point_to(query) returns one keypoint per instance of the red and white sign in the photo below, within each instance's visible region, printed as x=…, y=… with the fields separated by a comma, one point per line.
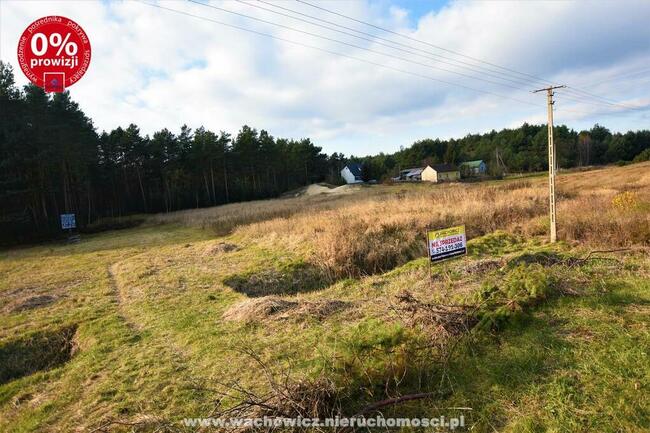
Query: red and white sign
x=54, y=53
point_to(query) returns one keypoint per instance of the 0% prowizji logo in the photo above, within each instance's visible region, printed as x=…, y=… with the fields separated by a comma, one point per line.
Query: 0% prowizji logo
x=54, y=53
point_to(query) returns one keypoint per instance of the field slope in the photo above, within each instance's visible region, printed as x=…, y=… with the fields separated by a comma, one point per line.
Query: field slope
x=136, y=329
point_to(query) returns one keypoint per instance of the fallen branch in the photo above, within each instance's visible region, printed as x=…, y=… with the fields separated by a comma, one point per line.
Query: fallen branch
x=448, y=320
x=155, y=425
x=579, y=261
x=393, y=401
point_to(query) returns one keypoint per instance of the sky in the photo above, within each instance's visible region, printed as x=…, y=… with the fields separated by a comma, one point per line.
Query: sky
x=443, y=69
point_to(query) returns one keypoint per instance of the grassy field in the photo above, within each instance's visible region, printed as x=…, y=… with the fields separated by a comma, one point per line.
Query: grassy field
x=328, y=298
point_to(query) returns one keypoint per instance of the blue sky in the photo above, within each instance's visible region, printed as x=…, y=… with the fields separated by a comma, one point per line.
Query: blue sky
x=159, y=68
x=416, y=8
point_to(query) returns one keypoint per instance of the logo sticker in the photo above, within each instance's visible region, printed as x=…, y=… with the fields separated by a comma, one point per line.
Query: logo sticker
x=54, y=53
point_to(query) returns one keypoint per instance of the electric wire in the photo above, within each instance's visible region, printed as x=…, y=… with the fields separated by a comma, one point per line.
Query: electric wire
x=327, y=38
x=335, y=53
x=435, y=57
x=577, y=97
x=572, y=89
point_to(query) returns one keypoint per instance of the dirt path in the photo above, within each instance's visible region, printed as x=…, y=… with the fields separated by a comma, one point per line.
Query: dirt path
x=133, y=326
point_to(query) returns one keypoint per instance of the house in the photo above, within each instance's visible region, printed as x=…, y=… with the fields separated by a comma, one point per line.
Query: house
x=473, y=168
x=410, y=175
x=440, y=173
x=352, y=173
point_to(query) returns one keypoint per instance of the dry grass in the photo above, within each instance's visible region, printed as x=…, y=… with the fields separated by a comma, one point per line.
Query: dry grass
x=224, y=219
x=150, y=304
x=378, y=228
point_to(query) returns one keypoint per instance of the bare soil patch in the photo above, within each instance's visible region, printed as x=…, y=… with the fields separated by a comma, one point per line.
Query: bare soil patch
x=36, y=352
x=287, y=280
x=34, y=302
x=276, y=308
x=482, y=266
x=220, y=248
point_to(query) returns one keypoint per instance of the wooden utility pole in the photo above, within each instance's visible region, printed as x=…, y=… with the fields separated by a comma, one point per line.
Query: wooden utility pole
x=500, y=163
x=552, y=158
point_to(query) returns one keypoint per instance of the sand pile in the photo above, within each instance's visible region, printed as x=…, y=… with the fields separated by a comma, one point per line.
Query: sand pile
x=321, y=188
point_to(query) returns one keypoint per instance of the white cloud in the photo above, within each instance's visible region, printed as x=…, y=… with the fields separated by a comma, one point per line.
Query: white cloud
x=160, y=69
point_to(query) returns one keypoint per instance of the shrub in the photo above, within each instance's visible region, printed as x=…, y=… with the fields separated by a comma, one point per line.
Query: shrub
x=495, y=243
x=119, y=223
x=357, y=248
x=625, y=201
x=522, y=287
x=643, y=156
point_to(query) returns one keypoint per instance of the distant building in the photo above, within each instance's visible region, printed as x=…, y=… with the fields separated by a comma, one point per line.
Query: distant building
x=440, y=173
x=352, y=173
x=430, y=173
x=410, y=175
x=473, y=168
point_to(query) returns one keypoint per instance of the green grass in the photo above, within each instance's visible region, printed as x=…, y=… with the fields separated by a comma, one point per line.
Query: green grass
x=147, y=335
x=576, y=364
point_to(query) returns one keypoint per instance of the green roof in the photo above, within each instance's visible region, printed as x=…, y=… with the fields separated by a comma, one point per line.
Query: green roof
x=472, y=164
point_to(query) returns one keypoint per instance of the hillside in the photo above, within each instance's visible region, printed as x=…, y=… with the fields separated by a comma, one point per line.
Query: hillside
x=325, y=304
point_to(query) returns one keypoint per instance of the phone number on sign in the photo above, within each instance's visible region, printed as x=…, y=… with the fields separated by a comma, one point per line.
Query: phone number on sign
x=447, y=248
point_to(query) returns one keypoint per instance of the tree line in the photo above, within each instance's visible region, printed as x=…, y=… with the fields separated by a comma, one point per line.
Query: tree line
x=524, y=149
x=53, y=161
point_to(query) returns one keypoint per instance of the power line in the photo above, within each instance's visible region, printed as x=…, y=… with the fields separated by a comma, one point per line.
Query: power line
x=316, y=35
x=621, y=109
x=573, y=90
x=538, y=79
x=577, y=96
x=605, y=100
x=436, y=57
x=370, y=62
x=428, y=77
x=602, y=113
x=618, y=77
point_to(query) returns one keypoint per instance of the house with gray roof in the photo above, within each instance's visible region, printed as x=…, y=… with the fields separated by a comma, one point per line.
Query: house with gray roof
x=352, y=173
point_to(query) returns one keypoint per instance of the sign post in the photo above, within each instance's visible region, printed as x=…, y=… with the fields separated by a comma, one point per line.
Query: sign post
x=69, y=222
x=446, y=243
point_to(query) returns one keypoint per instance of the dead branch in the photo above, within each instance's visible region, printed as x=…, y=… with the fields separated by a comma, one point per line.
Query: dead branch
x=154, y=424
x=445, y=320
x=385, y=403
x=589, y=256
x=393, y=401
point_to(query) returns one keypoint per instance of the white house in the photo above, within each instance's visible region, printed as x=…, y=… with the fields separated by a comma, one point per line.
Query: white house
x=352, y=173
x=440, y=173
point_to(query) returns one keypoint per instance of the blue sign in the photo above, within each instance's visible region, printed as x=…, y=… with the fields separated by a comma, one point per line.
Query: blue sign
x=68, y=221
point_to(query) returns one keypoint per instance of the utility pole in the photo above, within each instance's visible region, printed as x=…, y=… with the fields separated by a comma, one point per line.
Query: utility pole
x=500, y=163
x=552, y=158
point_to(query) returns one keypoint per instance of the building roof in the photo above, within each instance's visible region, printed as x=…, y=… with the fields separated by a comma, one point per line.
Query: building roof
x=354, y=168
x=472, y=164
x=415, y=171
x=444, y=168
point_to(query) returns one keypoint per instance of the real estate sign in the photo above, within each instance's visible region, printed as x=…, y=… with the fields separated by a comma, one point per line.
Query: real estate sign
x=68, y=221
x=446, y=243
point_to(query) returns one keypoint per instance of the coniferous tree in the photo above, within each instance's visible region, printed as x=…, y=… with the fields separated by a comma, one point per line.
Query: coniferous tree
x=53, y=161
